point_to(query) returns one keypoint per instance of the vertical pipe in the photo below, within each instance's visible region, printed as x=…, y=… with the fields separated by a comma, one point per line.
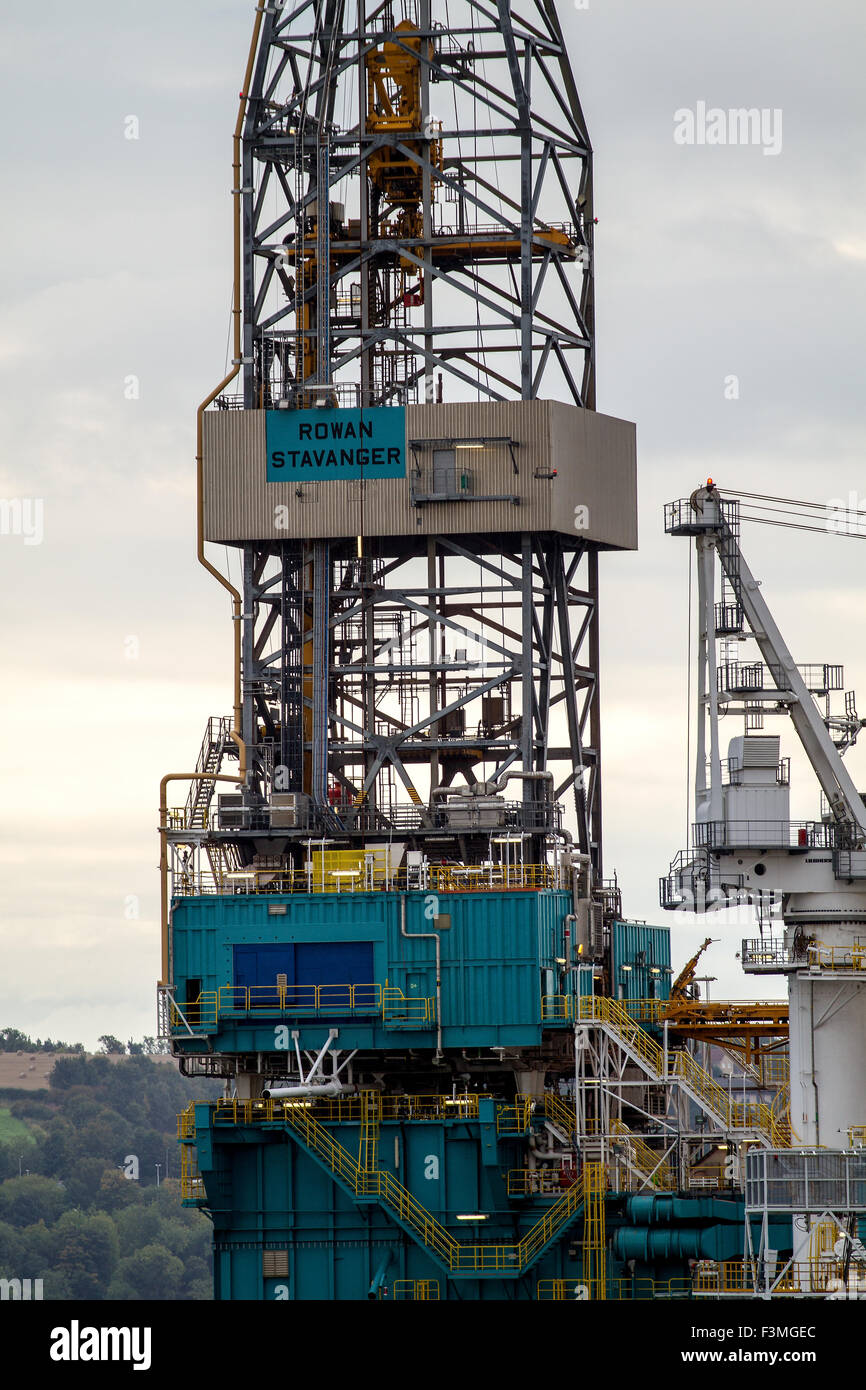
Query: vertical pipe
x=431, y=604
x=364, y=212
x=420, y=936
x=527, y=729
x=595, y=808
x=701, y=688
x=321, y=642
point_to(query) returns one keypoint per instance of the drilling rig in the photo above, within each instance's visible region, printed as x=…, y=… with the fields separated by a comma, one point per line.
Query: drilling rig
x=384, y=894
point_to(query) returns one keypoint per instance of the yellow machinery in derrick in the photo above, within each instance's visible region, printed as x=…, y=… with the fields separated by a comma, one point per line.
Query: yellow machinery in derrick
x=394, y=108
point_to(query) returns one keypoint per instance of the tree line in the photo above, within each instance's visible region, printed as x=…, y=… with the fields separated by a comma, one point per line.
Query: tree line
x=69, y=1213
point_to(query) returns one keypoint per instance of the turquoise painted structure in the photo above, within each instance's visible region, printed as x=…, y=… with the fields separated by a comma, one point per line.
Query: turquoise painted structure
x=258, y=972
x=640, y=961
x=286, y=1229
x=340, y=953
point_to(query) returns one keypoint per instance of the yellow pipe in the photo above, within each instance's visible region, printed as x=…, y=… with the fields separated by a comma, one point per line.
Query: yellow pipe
x=235, y=734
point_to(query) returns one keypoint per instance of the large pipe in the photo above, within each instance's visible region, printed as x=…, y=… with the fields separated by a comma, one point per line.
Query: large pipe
x=237, y=358
x=569, y=917
x=324, y=1089
x=379, y=1277
x=237, y=309
x=419, y=936
x=524, y=777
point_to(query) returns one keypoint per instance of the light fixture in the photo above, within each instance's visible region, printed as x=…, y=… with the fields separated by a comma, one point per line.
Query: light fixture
x=625, y=968
x=472, y=1216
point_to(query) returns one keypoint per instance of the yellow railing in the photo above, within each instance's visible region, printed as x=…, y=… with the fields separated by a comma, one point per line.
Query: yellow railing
x=640, y=1290
x=780, y=1113
x=508, y=1258
x=341, y=1109
x=371, y=1115
x=388, y=1002
x=817, y=1276
x=558, y=1111
x=774, y=1070
x=563, y=1007
x=417, y=1290
x=191, y=1182
x=645, y=1010
x=516, y=1118
x=683, y=1067
x=611, y=1011
x=546, y=1181
x=856, y=1136
x=410, y=1011
x=186, y=1122
x=459, y=1258
x=566, y=1290
x=437, y=878
x=594, y=1236
x=557, y=1008
x=626, y=1290
x=649, y=1164
x=837, y=957
x=556, y=1290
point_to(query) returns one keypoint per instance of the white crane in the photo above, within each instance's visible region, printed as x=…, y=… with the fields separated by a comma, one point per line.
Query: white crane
x=746, y=848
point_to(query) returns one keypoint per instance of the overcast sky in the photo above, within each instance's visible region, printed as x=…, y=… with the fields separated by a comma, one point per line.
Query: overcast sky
x=712, y=261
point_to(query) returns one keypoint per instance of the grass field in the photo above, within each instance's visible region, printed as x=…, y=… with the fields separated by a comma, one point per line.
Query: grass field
x=12, y=1131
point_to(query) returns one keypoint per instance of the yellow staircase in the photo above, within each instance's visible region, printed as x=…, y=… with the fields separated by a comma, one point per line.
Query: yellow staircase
x=752, y=1116
x=655, y=1170
x=458, y=1258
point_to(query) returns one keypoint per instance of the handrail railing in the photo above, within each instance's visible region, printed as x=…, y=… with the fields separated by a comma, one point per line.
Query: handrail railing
x=681, y=1066
x=817, y=1277
x=613, y=1012
x=339, y=1109
x=387, y=1002
x=192, y=1188
x=652, y=1166
x=493, y=1257
x=440, y=878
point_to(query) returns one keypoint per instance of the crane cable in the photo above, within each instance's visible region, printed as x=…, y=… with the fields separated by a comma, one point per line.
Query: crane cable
x=839, y=521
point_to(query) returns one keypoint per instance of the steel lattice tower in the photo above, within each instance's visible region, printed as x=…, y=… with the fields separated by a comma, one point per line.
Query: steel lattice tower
x=462, y=267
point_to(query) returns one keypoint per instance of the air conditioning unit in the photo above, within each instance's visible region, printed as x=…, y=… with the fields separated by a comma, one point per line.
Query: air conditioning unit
x=290, y=810
x=230, y=812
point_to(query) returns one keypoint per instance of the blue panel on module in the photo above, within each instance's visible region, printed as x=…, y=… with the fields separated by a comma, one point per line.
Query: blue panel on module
x=240, y=968
x=315, y=445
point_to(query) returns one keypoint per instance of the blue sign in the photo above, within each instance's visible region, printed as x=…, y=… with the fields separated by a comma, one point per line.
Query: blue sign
x=314, y=445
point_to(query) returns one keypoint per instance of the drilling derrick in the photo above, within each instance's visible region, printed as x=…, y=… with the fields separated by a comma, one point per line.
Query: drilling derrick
x=384, y=895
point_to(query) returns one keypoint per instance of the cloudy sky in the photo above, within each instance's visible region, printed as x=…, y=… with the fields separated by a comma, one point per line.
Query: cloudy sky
x=713, y=261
